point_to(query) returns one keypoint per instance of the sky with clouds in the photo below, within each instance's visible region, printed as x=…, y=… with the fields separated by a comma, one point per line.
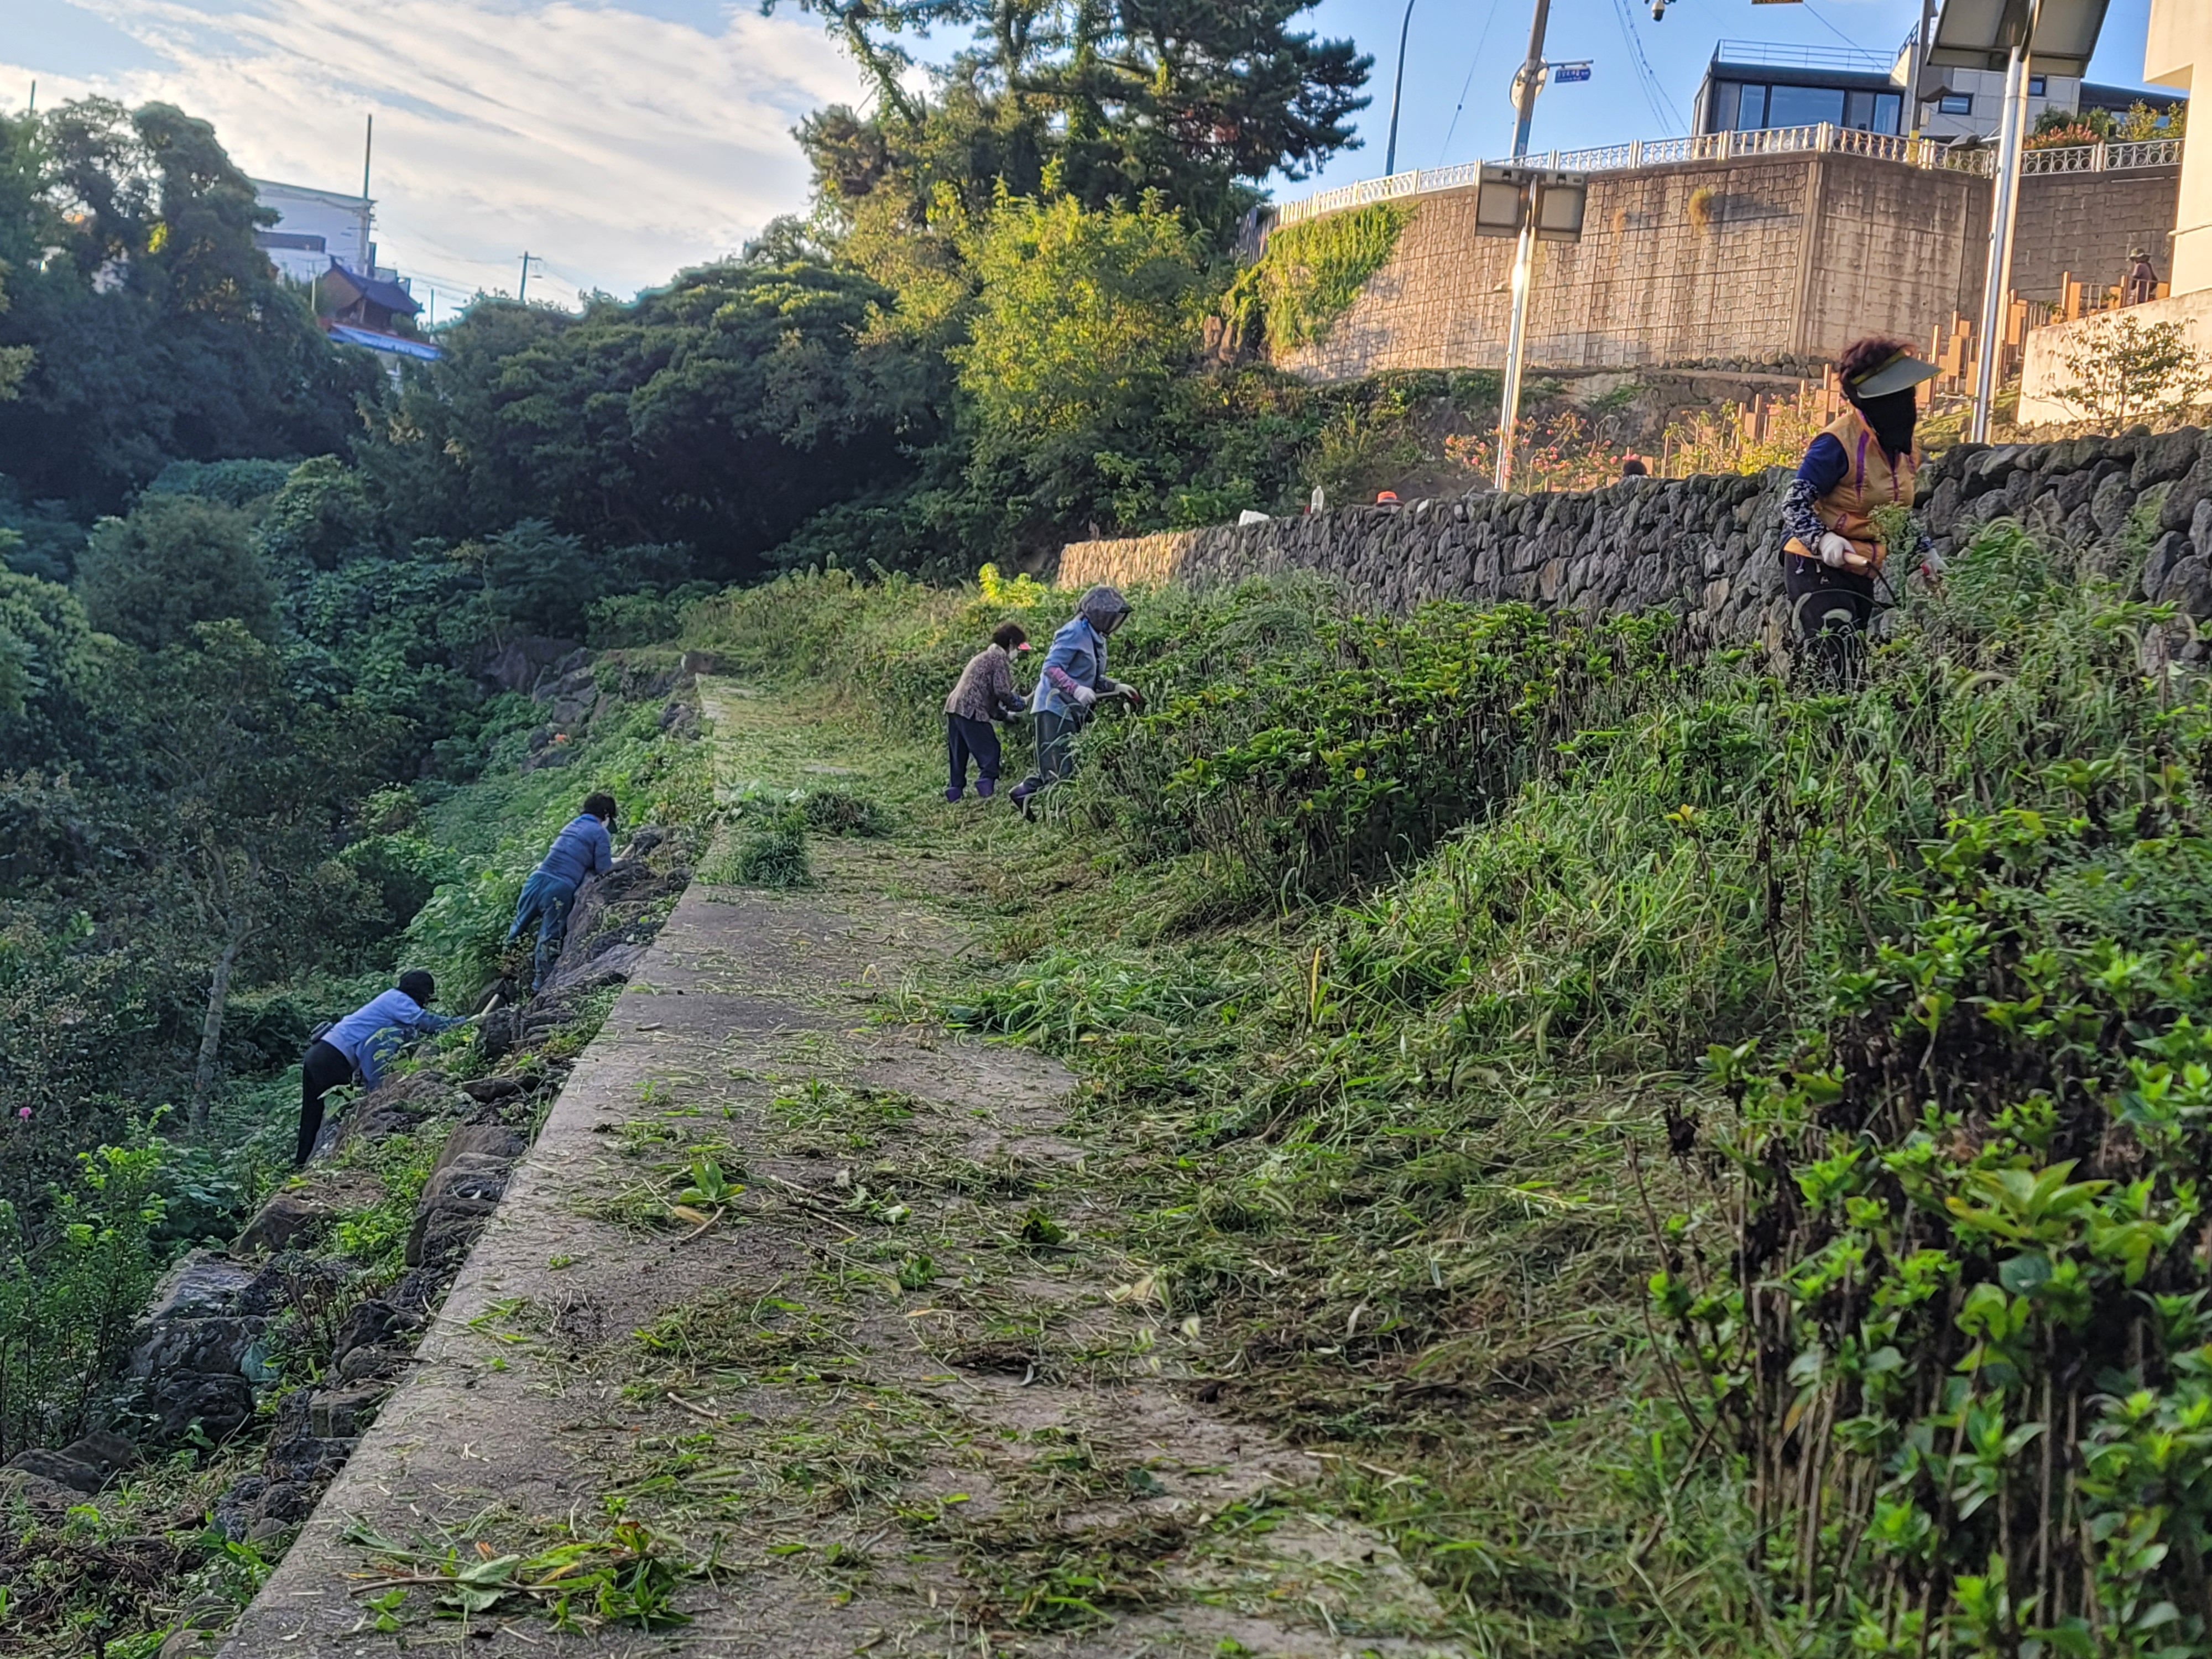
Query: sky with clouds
x=622, y=140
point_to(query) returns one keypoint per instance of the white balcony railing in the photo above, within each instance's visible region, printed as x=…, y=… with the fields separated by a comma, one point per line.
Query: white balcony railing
x=1730, y=146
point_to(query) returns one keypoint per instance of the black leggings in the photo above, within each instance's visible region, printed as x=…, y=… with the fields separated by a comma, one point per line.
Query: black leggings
x=1832, y=609
x=321, y=1071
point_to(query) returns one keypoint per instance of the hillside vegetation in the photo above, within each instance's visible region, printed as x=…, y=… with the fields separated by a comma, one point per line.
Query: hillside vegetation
x=1707, y=1162
x=1718, y=1159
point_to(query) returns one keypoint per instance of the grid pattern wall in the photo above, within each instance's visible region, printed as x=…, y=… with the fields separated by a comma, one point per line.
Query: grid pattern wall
x=1770, y=260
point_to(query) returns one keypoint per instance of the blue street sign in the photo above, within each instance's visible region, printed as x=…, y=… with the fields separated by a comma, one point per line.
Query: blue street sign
x=1563, y=72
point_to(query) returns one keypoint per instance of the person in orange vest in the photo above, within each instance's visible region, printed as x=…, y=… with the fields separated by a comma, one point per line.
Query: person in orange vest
x=1866, y=458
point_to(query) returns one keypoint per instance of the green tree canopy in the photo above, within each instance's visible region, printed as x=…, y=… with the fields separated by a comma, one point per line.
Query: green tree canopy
x=320, y=516
x=176, y=561
x=157, y=331
x=53, y=670
x=1197, y=99
x=720, y=411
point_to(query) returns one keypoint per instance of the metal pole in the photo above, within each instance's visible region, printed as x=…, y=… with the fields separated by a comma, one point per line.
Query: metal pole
x=1922, y=44
x=367, y=144
x=522, y=291
x=1531, y=75
x=1524, y=277
x=1524, y=250
x=2003, y=201
x=1397, y=86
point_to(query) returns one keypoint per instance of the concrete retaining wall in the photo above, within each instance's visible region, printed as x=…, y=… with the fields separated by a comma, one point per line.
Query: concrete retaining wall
x=1709, y=547
x=2048, y=370
x=1776, y=260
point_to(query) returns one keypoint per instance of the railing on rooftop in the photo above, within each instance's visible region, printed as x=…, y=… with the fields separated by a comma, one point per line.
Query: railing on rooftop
x=1730, y=146
x=1770, y=54
x=2103, y=158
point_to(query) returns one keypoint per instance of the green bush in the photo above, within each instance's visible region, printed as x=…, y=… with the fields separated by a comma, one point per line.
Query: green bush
x=175, y=562
x=71, y=1286
x=1317, y=777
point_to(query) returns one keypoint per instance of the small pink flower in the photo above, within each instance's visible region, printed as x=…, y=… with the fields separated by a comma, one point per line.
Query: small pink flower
x=23, y=1112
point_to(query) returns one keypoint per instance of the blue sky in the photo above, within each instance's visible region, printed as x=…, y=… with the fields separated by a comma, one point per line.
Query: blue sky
x=622, y=139
x=1470, y=48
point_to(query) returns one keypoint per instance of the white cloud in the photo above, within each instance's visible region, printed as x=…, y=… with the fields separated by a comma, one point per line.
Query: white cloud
x=620, y=146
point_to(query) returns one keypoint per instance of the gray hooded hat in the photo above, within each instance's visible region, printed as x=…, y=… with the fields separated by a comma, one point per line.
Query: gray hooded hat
x=1103, y=608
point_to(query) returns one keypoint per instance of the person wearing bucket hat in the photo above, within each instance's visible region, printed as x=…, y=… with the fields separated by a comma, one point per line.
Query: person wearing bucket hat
x=1071, y=681
x=1867, y=458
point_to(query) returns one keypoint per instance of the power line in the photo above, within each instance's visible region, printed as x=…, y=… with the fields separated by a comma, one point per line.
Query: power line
x=1655, y=91
x=1481, y=41
x=1830, y=28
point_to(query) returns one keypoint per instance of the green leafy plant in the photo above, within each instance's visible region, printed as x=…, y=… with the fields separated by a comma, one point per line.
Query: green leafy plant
x=625, y=1577
x=1311, y=273
x=917, y=1272
x=2123, y=370
x=1322, y=779
x=72, y=1288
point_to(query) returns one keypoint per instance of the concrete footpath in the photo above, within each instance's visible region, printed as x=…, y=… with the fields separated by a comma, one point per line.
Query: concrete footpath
x=830, y=1306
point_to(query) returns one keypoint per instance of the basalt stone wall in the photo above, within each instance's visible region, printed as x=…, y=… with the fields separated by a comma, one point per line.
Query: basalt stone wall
x=1709, y=547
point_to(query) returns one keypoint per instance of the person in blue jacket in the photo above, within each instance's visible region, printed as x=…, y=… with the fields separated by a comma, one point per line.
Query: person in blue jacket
x=365, y=1041
x=584, y=847
x=1072, y=680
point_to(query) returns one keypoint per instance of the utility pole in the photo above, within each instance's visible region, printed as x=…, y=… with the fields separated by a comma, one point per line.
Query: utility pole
x=522, y=292
x=33, y=108
x=1397, y=86
x=1922, y=44
x=1524, y=250
x=2004, y=208
x=367, y=144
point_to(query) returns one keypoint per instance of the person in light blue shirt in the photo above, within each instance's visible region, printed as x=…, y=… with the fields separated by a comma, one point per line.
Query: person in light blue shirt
x=364, y=1042
x=1073, y=679
x=584, y=847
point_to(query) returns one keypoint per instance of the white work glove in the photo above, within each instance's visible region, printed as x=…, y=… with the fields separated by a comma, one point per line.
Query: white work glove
x=1084, y=697
x=1836, y=551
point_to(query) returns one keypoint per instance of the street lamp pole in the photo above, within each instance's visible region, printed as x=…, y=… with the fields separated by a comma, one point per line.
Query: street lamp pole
x=1524, y=250
x=2005, y=212
x=1397, y=86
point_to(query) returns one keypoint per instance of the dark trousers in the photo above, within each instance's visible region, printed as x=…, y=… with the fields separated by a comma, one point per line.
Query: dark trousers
x=1055, y=734
x=965, y=738
x=321, y=1070
x=1832, y=609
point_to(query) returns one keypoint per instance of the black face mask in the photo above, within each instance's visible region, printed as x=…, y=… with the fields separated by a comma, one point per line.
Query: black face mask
x=1892, y=419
